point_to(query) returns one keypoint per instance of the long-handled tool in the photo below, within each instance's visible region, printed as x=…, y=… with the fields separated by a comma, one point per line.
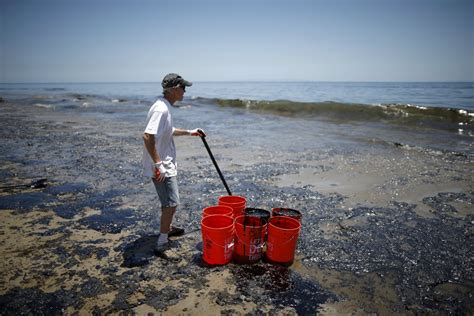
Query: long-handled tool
x=203, y=137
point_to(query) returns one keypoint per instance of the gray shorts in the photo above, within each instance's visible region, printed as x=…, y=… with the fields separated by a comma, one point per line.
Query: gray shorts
x=167, y=191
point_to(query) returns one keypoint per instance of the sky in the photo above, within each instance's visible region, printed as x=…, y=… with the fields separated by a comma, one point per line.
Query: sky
x=236, y=40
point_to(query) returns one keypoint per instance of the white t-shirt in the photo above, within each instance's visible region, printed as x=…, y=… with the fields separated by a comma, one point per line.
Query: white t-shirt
x=160, y=124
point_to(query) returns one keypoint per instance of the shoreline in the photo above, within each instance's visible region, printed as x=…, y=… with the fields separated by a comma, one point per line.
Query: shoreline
x=367, y=214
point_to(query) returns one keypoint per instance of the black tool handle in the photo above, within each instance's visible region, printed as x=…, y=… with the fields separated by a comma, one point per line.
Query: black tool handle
x=203, y=137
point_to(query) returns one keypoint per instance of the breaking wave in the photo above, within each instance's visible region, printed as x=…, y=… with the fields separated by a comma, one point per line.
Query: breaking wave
x=435, y=117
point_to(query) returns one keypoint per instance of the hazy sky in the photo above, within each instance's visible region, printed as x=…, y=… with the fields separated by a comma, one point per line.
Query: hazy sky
x=222, y=40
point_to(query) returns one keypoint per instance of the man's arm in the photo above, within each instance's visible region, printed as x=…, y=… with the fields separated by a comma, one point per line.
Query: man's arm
x=149, y=140
x=184, y=132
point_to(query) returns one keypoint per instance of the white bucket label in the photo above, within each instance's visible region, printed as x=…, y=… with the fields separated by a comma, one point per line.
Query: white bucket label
x=229, y=248
x=255, y=249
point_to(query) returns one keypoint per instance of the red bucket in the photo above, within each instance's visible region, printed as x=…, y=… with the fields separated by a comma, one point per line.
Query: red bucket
x=217, y=239
x=282, y=237
x=283, y=211
x=249, y=238
x=236, y=202
x=217, y=210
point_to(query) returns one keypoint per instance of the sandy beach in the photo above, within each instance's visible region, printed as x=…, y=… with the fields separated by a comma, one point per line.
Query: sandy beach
x=387, y=227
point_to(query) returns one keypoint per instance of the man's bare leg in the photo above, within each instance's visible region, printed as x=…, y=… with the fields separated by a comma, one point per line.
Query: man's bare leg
x=167, y=214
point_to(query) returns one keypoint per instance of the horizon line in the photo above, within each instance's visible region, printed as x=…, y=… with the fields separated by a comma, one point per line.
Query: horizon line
x=244, y=81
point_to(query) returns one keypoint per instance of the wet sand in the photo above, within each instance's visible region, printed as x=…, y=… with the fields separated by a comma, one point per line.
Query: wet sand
x=386, y=228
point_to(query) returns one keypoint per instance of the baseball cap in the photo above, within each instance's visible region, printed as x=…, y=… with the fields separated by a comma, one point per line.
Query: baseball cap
x=173, y=80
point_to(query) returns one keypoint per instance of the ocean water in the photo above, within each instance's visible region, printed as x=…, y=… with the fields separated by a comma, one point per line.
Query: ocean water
x=458, y=95
x=430, y=116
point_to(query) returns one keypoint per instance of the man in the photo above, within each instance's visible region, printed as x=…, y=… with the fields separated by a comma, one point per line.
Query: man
x=159, y=154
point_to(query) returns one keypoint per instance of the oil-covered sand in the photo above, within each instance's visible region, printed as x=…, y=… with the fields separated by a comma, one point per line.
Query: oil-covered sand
x=387, y=228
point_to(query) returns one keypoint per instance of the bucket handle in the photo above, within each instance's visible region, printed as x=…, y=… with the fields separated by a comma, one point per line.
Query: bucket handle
x=226, y=246
x=293, y=237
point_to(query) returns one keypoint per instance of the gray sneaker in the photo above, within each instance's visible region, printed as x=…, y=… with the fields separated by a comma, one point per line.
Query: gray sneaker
x=160, y=248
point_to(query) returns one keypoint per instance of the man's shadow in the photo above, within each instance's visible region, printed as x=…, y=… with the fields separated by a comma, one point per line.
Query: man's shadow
x=140, y=252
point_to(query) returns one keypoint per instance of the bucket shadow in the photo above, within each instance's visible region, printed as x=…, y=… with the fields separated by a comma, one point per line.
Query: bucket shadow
x=199, y=246
x=198, y=261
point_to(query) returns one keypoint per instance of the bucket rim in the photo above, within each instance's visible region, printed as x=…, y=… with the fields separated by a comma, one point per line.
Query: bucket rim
x=286, y=218
x=210, y=217
x=243, y=200
x=258, y=209
x=230, y=209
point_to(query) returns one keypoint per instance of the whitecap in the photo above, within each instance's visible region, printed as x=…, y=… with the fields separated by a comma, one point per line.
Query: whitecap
x=118, y=100
x=416, y=106
x=44, y=106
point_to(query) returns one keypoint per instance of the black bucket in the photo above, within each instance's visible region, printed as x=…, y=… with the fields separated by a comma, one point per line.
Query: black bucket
x=257, y=212
x=289, y=212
